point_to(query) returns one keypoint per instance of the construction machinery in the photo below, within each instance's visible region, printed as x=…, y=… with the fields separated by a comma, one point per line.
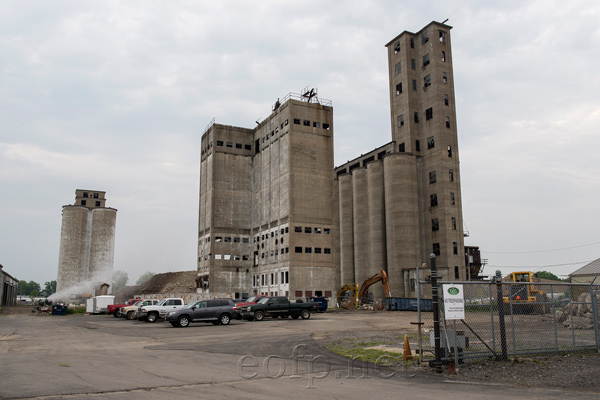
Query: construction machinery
x=350, y=302
x=380, y=277
x=523, y=295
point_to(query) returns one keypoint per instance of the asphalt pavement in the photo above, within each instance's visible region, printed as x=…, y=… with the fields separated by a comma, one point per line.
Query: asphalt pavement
x=101, y=357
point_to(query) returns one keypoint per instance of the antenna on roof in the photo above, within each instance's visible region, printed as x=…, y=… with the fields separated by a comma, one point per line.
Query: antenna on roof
x=446, y=20
x=309, y=94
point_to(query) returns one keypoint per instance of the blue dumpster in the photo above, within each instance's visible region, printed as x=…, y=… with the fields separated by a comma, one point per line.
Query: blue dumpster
x=59, y=309
x=322, y=303
x=407, y=304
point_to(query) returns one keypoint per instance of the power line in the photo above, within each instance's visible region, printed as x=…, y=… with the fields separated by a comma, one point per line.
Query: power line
x=539, y=251
x=536, y=267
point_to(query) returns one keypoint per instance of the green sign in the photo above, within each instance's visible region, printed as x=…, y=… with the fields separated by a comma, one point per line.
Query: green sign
x=453, y=291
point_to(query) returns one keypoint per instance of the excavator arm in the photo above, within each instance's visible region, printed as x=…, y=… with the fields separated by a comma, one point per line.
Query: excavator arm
x=382, y=276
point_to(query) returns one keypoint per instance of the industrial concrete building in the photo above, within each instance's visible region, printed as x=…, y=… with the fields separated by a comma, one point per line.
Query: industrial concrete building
x=266, y=210
x=87, y=243
x=8, y=289
x=276, y=217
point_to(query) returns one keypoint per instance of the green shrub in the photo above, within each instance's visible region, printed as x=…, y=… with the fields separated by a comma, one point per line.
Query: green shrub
x=76, y=310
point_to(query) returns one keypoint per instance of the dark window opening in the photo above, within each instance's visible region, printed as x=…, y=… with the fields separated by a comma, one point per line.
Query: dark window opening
x=453, y=223
x=298, y=229
x=97, y=204
x=83, y=202
x=326, y=231
x=451, y=199
x=455, y=247
x=414, y=84
x=417, y=145
x=456, y=273
x=416, y=116
x=449, y=151
x=424, y=37
x=229, y=144
x=435, y=225
x=219, y=143
x=326, y=250
x=257, y=146
x=442, y=36
x=396, y=47
x=412, y=43
x=380, y=155
x=427, y=80
x=443, y=56
x=308, y=250
x=426, y=60
x=398, y=68
x=341, y=171
x=444, y=77
x=247, y=147
x=433, y=200
x=308, y=229
x=325, y=126
x=354, y=166
x=429, y=113
x=446, y=99
x=317, y=250
x=368, y=160
x=399, y=88
x=306, y=123
x=316, y=124
x=413, y=63
x=400, y=120
x=436, y=249
x=447, y=122
x=85, y=194
x=430, y=142
x=451, y=175
x=298, y=249
x=296, y=121
x=432, y=177
x=95, y=195
x=401, y=148
x=238, y=145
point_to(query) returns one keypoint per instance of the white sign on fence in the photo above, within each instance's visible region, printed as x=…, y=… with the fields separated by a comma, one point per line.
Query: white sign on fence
x=454, y=301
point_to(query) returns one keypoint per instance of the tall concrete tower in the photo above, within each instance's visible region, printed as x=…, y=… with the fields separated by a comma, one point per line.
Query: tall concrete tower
x=87, y=242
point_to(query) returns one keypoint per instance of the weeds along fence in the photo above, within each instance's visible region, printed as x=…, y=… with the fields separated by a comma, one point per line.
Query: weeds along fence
x=513, y=319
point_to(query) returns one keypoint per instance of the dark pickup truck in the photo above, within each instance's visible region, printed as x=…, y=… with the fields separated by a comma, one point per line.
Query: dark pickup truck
x=276, y=307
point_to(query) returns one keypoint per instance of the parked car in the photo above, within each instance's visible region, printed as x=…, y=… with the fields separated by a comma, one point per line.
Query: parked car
x=250, y=300
x=278, y=306
x=130, y=312
x=114, y=308
x=152, y=313
x=217, y=311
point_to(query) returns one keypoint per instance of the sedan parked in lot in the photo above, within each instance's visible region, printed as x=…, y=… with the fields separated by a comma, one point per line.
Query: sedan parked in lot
x=217, y=311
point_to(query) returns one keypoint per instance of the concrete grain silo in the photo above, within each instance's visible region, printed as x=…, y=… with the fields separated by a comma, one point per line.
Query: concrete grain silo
x=87, y=244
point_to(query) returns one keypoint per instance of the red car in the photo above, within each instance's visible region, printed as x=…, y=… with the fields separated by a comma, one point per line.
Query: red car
x=114, y=308
x=247, y=302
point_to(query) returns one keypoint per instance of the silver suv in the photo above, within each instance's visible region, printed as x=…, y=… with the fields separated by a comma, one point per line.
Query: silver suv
x=217, y=311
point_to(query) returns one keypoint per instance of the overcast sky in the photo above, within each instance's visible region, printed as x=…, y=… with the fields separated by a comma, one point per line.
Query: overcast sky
x=115, y=95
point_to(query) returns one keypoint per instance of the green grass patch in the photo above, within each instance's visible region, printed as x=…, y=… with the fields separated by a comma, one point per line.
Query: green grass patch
x=76, y=310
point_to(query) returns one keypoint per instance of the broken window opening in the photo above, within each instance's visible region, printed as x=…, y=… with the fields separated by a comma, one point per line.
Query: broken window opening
x=432, y=177
x=435, y=225
x=412, y=43
x=296, y=121
x=316, y=124
x=424, y=38
x=426, y=60
x=325, y=126
x=442, y=35
x=433, y=200
x=451, y=199
x=416, y=116
x=401, y=148
x=413, y=63
x=456, y=273
x=455, y=247
x=219, y=143
x=453, y=223
x=446, y=99
x=436, y=249
x=306, y=123
x=400, y=120
x=430, y=142
x=298, y=229
x=449, y=151
x=427, y=80
x=445, y=77
x=443, y=56
x=429, y=113
x=448, y=122
x=451, y=175
x=396, y=47
x=417, y=145
x=398, y=88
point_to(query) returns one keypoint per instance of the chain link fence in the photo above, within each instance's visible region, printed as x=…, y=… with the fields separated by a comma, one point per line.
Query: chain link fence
x=510, y=319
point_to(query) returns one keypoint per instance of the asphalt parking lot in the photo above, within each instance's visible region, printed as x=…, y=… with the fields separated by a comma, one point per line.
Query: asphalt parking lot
x=98, y=356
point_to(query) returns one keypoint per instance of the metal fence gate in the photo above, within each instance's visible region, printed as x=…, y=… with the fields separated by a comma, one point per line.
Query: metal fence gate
x=510, y=319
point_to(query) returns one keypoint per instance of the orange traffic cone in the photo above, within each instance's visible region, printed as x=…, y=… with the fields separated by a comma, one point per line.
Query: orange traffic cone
x=406, y=354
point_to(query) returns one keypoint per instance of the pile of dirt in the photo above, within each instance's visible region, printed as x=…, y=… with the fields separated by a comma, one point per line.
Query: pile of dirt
x=170, y=282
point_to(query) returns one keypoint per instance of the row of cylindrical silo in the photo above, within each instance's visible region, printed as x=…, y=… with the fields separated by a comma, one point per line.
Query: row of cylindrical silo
x=379, y=221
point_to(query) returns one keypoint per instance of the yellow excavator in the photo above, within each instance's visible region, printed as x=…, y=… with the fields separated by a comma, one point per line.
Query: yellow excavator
x=523, y=295
x=350, y=302
x=361, y=296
